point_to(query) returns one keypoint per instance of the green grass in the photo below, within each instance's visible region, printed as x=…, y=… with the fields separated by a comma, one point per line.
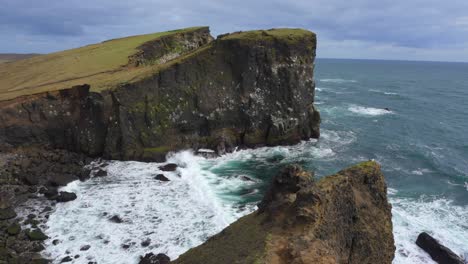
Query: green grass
x=103, y=65
x=289, y=34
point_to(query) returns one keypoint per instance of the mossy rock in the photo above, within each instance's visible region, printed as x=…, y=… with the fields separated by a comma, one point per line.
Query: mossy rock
x=14, y=229
x=36, y=235
x=7, y=213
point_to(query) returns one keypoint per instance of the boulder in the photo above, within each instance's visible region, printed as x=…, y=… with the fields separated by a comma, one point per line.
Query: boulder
x=437, y=251
x=14, y=229
x=66, y=259
x=7, y=213
x=36, y=235
x=150, y=258
x=85, y=248
x=65, y=197
x=116, y=219
x=168, y=167
x=161, y=177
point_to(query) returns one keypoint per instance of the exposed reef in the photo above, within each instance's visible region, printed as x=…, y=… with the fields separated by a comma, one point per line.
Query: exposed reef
x=343, y=218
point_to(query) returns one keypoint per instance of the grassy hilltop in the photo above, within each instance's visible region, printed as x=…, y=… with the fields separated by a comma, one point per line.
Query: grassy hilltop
x=101, y=65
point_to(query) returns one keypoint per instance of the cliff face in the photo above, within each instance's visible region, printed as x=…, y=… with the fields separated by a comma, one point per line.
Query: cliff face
x=243, y=89
x=343, y=218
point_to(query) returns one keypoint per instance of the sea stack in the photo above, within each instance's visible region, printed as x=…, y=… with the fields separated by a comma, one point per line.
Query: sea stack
x=342, y=218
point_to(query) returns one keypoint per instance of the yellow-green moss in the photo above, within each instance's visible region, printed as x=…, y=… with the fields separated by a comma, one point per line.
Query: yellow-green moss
x=160, y=149
x=285, y=34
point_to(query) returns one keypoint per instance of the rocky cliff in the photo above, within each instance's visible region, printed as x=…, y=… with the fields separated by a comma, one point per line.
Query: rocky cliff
x=343, y=218
x=243, y=89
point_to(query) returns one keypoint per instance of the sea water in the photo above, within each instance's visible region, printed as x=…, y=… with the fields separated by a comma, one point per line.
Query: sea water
x=412, y=117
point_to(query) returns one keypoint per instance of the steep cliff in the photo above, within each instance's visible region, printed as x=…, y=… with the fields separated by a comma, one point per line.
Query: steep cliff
x=243, y=89
x=343, y=218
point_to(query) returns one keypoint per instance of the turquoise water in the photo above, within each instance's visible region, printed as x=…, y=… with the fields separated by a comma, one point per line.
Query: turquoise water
x=421, y=141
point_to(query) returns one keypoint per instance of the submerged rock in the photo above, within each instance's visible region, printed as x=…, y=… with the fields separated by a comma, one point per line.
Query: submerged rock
x=168, y=167
x=65, y=197
x=161, y=177
x=342, y=218
x=437, y=251
x=150, y=258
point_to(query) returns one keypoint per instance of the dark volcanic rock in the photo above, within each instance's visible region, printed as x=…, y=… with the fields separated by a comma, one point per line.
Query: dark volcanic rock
x=100, y=173
x=161, y=177
x=150, y=258
x=36, y=235
x=342, y=218
x=66, y=259
x=61, y=179
x=14, y=229
x=7, y=213
x=244, y=89
x=85, y=247
x=65, y=197
x=116, y=219
x=437, y=251
x=168, y=167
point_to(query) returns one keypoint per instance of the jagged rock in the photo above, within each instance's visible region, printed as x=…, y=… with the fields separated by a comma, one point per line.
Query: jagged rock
x=161, y=177
x=65, y=197
x=150, y=258
x=168, y=167
x=437, y=251
x=246, y=178
x=247, y=89
x=342, y=218
x=116, y=219
x=100, y=173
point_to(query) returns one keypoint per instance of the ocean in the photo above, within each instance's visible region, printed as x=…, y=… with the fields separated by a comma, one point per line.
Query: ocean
x=411, y=117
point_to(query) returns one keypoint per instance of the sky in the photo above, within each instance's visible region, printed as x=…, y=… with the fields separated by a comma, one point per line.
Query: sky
x=431, y=30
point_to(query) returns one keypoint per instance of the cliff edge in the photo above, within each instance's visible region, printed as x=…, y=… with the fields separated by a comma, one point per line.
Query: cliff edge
x=178, y=90
x=343, y=218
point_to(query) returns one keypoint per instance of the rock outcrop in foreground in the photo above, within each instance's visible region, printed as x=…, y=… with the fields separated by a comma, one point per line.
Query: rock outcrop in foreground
x=343, y=218
x=186, y=91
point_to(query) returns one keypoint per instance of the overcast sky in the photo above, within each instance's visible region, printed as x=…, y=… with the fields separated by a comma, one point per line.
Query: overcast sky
x=379, y=29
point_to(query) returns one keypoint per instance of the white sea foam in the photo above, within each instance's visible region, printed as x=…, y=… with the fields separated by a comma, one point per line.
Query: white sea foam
x=175, y=215
x=368, y=111
x=382, y=92
x=420, y=171
x=337, y=80
x=441, y=218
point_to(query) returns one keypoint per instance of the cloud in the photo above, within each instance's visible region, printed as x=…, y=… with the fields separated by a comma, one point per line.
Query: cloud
x=400, y=27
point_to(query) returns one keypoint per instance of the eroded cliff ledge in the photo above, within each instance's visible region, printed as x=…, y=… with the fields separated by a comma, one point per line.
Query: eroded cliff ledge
x=186, y=91
x=343, y=218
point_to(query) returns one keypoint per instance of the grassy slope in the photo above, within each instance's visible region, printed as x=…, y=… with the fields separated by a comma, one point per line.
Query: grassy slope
x=103, y=65
x=6, y=57
x=100, y=65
